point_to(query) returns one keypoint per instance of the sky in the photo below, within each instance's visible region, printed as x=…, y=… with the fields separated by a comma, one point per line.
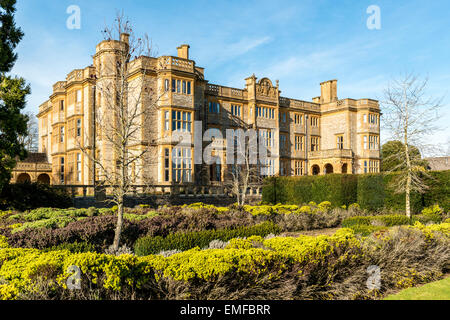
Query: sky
x=299, y=43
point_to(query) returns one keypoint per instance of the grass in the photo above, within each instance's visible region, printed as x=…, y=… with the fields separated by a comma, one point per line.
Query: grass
x=439, y=290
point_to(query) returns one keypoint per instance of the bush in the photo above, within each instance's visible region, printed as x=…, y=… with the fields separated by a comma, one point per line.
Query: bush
x=185, y=241
x=365, y=225
x=432, y=211
x=338, y=189
x=76, y=247
x=99, y=230
x=372, y=191
x=324, y=267
x=30, y=196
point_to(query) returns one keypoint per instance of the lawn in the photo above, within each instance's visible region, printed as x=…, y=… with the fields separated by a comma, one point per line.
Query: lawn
x=439, y=290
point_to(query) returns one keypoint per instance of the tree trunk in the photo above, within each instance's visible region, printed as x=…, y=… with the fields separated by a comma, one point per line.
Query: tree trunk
x=408, y=183
x=408, y=160
x=119, y=226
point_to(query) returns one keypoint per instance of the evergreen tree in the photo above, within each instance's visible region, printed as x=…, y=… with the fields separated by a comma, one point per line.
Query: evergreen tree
x=13, y=92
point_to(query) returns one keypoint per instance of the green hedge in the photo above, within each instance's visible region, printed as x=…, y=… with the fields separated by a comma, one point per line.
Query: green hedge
x=185, y=241
x=388, y=220
x=337, y=188
x=371, y=191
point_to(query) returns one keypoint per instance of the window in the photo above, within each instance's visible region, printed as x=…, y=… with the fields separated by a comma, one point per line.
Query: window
x=236, y=110
x=264, y=112
x=299, y=143
x=181, y=165
x=166, y=85
x=166, y=120
x=61, y=135
x=214, y=107
x=78, y=167
x=78, y=127
x=365, y=166
x=179, y=86
x=267, y=167
x=61, y=170
x=266, y=135
x=78, y=96
x=298, y=118
x=283, y=117
x=298, y=168
x=181, y=121
x=166, y=165
x=373, y=118
x=283, y=142
x=314, y=121
x=284, y=168
x=373, y=143
x=365, y=118
x=61, y=105
x=365, y=142
x=314, y=143
x=340, y=142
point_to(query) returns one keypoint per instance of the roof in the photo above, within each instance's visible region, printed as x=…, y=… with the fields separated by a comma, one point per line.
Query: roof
x=438, y=163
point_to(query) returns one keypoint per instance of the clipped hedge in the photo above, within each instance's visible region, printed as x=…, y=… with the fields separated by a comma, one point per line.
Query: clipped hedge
x=188, y=240
x=371, y=191
x=339, y=189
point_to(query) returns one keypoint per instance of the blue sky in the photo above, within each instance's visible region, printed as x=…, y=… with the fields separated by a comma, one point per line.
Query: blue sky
x=300, y=43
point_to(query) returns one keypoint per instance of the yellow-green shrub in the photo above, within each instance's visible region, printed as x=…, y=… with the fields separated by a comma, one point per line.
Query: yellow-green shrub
x=432, y=210
x=324, y=206
x=3, y=242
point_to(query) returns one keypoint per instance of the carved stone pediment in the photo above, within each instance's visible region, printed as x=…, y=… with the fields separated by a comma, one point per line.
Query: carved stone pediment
x=265, y=88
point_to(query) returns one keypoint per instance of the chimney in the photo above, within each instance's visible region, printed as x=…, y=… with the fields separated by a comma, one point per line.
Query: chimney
x=328, y=91
x=125, y=37
x=183, y=51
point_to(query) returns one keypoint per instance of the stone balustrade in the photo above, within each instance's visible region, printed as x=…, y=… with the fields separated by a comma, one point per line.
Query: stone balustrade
x=174, y=63
x=190, y=191
x=222, y=91
x=331, y=153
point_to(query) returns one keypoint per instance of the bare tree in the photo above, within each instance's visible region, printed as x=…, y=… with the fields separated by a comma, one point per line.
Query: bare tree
x=30, y=140
x=410, y=117
x=245, y=169
x=124, y=117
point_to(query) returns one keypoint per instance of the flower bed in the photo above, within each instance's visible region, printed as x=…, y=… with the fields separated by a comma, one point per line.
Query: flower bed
x=324, y=267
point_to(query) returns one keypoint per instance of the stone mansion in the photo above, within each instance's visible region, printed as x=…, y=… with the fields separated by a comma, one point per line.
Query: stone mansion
x=325, y=135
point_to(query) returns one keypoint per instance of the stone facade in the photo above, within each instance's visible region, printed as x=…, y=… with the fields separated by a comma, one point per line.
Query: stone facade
x=311, y=137
x=35, y=168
